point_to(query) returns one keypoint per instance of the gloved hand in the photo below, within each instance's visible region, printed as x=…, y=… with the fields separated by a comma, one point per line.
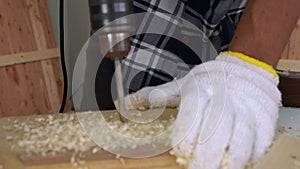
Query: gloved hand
x=237, y=94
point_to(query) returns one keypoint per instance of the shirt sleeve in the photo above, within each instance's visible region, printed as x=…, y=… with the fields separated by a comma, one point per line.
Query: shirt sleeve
x=162, y=57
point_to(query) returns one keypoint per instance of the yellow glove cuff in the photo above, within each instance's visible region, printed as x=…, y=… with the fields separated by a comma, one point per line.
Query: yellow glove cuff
x=253, y=61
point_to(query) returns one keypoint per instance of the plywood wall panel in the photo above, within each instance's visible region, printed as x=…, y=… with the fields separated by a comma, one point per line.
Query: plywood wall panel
x=34, y=87
x=17, y=27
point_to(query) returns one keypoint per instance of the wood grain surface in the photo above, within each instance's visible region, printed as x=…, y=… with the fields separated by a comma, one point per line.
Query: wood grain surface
x=18, y=58
x=282, y=153
x=285, y=153
x=292, y=49
x=102, y=159
x=33, y=87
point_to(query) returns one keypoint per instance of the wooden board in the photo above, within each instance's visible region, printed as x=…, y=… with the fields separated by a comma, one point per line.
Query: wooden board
x=102, y=159
x=159, y=162
x=292, y=49
x=18, y=58
x=289, y=65
x=285, y=153
x=282, y=153
x=34, y=87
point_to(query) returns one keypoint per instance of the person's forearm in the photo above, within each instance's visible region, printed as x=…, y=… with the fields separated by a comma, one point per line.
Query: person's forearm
x=265, y=28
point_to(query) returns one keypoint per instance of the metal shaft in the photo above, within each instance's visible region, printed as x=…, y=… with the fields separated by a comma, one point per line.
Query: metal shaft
x=120, y=88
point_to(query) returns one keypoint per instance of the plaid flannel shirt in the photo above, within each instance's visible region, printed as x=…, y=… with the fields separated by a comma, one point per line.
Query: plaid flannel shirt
x=154, y=59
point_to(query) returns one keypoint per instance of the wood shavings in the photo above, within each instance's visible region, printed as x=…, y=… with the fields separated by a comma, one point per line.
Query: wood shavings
x=141, y=130
x=95, y=150
x=54, y=134
x=49, y=135
x=289, y=130
x=225, y=160
x=122, y=160
x=73, y=160
x=137, y=103
x=185, y=159
x=7, y=128
x=282, y=130
x=181, y=159
x=9, y=138
x=77, y=159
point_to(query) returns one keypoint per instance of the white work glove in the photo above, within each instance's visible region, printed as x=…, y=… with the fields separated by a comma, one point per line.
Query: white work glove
x=248, y=114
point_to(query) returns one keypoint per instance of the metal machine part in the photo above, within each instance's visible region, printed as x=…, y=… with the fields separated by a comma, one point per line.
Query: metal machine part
x=115, y=38
x=117, y=43
x=120, y=89
x=104, y=11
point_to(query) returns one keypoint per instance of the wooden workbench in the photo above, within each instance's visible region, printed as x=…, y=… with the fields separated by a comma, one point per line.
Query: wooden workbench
x=101, y=159
x=284, y=152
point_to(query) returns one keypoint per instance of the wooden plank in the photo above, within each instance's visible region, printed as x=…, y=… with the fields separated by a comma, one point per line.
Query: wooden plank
x=16, y=31
x=62, y=160
x=289, y=65
x=15, y=28
x=292, y=49
x=10, y=159
x=55, y=63
x=47, y=69
x=285, y=153
x=12, y=59
x=294, y=46
x=164, y=161
x=281, y=155
x=36, y=87
x=285, y=53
